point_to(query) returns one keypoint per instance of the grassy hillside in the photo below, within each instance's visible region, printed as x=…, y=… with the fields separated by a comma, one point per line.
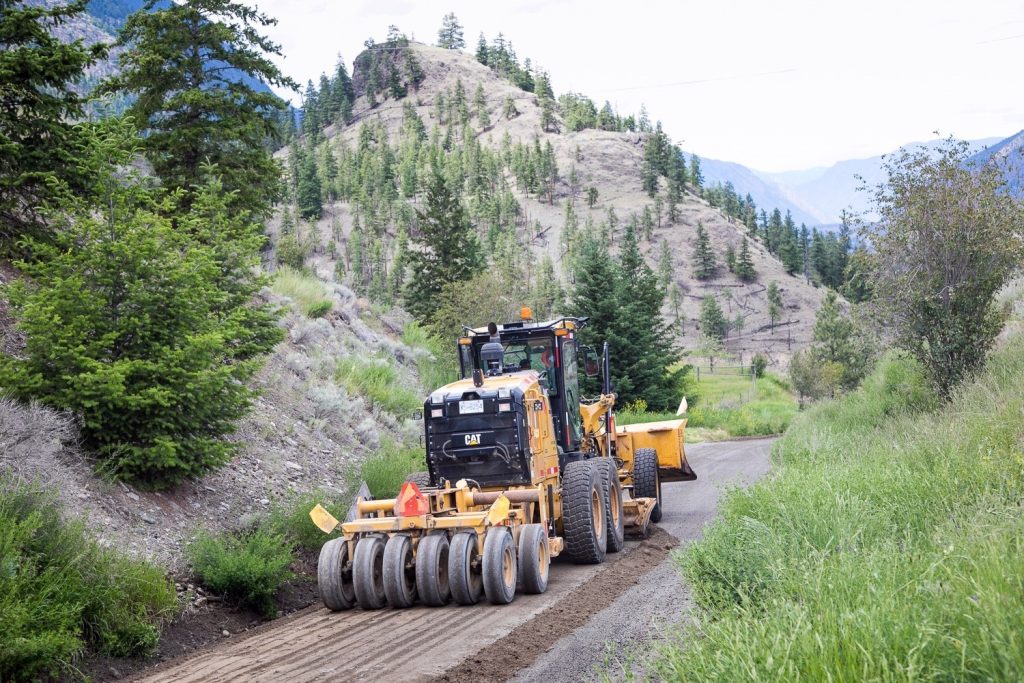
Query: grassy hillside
x=886, y=546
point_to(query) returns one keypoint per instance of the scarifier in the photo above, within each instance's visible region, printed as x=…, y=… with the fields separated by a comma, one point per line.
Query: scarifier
x=520, y=469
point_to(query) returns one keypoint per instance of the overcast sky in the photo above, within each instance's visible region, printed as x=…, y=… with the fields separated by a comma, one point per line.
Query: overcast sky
x=772, y=85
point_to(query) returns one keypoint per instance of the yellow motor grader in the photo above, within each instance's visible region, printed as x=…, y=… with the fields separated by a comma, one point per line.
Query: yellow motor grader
x=520, y=469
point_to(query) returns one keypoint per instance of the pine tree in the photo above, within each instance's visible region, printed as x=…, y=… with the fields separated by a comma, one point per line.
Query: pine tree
x=449, y=36
x=712, y=319
x=38, y=139
x=483, y=54
x=835, y=342
x=181, y=63
x=548, y=295
x=593, y=297
x=447, y=249
x=730, y=258
x=775, y=305
x=509, y=111
x=745, y=264
x=591, y=196
x=665, y=266
x=696, y=177
x=480, y=107
x=308, y=193
x=704, y=265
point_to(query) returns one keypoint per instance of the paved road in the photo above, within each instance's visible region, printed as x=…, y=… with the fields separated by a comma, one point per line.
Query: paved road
x=616, y=637
x=417, y=643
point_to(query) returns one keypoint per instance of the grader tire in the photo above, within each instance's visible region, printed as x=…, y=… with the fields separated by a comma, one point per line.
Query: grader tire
x=466, y=585
x=399, y=571
x=421, y=479
x=646, y=482
x=500, y=568
x=534, y=558
x=613, y=510
x=334, y=576
x=368, y=573
x=432, y=570
x=583, y=506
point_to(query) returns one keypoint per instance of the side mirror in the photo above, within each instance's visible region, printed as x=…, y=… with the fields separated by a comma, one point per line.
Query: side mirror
x=417, y=414
x=591, y=363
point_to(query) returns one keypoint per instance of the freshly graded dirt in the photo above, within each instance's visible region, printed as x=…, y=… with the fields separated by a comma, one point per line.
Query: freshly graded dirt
x=589, y=615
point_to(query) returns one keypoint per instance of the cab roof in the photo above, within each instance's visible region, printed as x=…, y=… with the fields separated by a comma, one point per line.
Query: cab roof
x=565, y=322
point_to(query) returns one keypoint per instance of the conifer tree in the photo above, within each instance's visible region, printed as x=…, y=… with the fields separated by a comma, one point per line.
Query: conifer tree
x=696, y=177
x=775, y=305
x=482, y=52
x=308, y=194
x=509, y=111
x=665, y=266
x=712, y=319
x=480, y=107
x=745, y=264
x=704, y=265
x=592, y=193
x=730, y=258
x=449, y=36
x=181, y=62
x=447, y=249
x=38, y=139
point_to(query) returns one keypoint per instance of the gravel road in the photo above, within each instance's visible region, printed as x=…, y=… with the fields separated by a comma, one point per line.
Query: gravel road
x=613, y=608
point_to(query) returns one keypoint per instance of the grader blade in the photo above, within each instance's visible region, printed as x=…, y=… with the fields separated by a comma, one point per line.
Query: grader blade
x=323, y=519
x=637, y=513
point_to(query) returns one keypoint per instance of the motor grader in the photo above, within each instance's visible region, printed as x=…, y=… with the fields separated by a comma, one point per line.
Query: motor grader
x=520, y=469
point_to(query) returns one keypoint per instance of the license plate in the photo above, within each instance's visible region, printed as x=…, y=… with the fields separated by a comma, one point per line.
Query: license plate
x=470, y=407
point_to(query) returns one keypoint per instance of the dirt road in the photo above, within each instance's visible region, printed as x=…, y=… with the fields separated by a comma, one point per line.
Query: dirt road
x=588, y=610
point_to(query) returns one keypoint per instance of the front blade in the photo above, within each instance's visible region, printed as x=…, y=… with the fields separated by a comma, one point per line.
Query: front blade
x=324, y=520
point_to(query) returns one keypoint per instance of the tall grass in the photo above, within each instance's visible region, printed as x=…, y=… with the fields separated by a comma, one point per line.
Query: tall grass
x=438, y=368
x=60, y=592
x=308, y=292
x=887, y=545
x=386, y=469
x=377, y=380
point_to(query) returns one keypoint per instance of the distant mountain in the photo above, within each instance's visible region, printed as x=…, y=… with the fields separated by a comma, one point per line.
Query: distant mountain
x=826, y=192
x=1009, y=154
x=766, y=193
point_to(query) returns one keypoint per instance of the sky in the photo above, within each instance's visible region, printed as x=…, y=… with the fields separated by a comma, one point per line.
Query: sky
x=773, y=85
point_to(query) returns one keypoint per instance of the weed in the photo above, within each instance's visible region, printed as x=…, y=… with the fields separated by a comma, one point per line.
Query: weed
x=310, y=295
x=247, y=567
x=385, y=471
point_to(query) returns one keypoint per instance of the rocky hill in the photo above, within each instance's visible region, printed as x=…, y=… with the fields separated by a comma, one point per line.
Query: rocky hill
x=608, y=161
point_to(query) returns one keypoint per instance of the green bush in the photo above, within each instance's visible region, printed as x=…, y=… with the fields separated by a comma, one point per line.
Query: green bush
x=248, y=567
x=886, y=545
x=60, y=591
x=291, y=519
x=131, y=321
x=319, y=309
x=292, y=252
x=377, y=380
x=386, y=470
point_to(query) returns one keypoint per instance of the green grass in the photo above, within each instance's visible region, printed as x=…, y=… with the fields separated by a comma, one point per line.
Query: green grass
x=248, y=567
x=61, y=593
x=886, y=545
x=386, y=469
x=726, y=406
x=309, y=293
x=439, y=368
x=377, y=380
x=290, y=518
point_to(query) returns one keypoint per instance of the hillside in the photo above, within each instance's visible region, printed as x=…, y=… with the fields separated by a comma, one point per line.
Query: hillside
x=609, y=161
x=768, y=192
x=1009, y=154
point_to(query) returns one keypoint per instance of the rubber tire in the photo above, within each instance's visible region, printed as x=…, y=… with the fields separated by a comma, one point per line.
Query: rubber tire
x=646, y=480
x=432, y=570
x=500, y=568
x=421, y=479
x=399, y=571
x=585, y=538
x=368, y=572
x=466, y=585
x=335, y=588
x=616, y=529
x=534, y=559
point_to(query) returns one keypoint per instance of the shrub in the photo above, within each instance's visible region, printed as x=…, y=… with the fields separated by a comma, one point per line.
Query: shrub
x=292, y=252
x=759, y=364
x=437, y=368
x=310, y=295
x=141, y=326
x=291, y=519
x=319, y=309
x=377, y=380
x=60, y=591
x=248, y=567
x=386, y=469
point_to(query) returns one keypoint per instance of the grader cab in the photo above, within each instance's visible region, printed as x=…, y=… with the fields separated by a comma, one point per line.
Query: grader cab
x=519, y=469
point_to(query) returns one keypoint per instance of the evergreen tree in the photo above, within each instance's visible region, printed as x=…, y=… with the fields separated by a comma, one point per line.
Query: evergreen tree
x=836, y=342
x=483, y=54
x=182, y=63
x=157, y=337
x=447, y=249
x=592, y=193
x=745, y=264
x=775, y=305
x=696, y=177
x=449, y=36
x=730, y=258
x=704, y=265
x=308, y=193
x=548, y=296
x=593, y=297
x=480, y=107
x=38, y=139
x=712, y=319
x=665, y=266
x=509, y=111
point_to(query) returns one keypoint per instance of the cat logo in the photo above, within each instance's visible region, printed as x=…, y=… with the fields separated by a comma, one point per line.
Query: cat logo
x=472, y=439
